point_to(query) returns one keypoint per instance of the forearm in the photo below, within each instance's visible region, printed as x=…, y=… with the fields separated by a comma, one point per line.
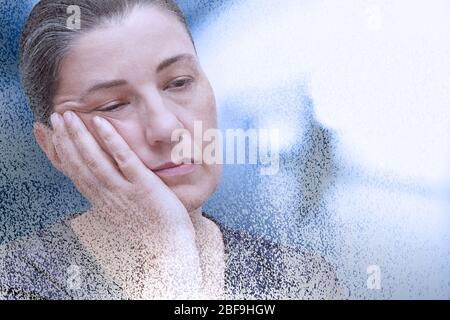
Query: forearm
x=175, y=277
x=150, y=263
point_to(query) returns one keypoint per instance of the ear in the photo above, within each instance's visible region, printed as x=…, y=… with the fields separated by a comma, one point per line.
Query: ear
x=43, y=135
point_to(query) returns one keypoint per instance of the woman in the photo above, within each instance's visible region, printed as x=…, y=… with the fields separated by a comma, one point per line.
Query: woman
x=107, y=98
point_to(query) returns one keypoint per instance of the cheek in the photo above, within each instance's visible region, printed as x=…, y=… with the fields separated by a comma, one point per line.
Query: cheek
x=131, y=132
x=210, y=110
x=203, y=106
x=211, y=113
x=128, y=131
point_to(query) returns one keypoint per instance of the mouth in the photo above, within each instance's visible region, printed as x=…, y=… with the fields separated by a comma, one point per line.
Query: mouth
x=171, y=169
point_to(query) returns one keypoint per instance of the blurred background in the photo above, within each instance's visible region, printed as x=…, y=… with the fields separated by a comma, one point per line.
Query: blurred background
x=360, y=91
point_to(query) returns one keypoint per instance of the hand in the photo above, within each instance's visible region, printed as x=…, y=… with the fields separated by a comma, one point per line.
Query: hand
x=136, y=208
x=115, y=177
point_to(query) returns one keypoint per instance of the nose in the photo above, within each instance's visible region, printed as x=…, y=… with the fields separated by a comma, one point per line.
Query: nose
x=160, y=120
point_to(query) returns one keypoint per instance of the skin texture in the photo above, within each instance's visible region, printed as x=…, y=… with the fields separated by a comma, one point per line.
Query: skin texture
x=144, y=228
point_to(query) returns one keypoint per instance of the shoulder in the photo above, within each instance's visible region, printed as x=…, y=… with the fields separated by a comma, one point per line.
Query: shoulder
x=25, y=269
x=310, y=275
x=259, y=268
x=49, y=264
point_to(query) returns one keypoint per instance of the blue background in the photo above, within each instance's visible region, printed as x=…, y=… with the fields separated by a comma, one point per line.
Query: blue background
x=346, y=188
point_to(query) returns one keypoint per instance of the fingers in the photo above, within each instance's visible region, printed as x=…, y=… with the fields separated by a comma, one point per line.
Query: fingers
x=128, y=162
x=71, y=162
x=94, y=158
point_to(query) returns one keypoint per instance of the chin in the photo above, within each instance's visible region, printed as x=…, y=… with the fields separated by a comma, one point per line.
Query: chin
x=194, y=190
x=192, y=197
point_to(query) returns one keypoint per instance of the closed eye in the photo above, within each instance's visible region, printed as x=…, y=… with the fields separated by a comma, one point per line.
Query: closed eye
x=113, y=107
x=180, y=83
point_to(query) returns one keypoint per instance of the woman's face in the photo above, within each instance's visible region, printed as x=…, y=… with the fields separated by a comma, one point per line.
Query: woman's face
x=142, y=75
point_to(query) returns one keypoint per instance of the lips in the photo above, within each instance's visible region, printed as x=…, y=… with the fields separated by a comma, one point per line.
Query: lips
x=171, y=169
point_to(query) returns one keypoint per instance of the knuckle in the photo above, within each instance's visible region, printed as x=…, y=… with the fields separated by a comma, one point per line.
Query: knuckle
x=75, y=167
x=107, y=137
x=57, y=145
x=135, y=195
x=123, y=157
x=92, y=163
x=114, y=188
x=74, y=134
x=56, y=139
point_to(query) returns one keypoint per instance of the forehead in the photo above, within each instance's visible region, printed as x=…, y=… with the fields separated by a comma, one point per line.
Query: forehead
x=143, y=39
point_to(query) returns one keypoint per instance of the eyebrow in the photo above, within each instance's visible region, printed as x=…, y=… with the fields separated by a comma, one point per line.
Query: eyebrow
x=105, y=85
x=170, y=61
x=117, y=83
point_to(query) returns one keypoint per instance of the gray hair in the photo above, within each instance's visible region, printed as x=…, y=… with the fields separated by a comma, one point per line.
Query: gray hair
x=46, y=39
